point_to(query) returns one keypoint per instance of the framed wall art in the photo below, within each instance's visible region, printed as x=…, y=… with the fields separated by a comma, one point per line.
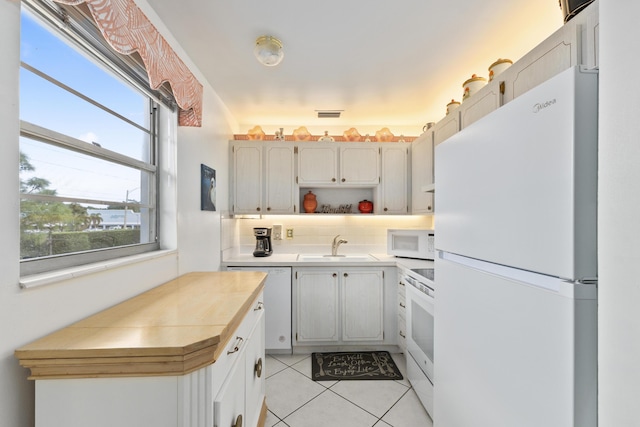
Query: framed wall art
x=207, y=188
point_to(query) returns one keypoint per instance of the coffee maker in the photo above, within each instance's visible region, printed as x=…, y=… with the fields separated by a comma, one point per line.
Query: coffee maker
x=263, y=242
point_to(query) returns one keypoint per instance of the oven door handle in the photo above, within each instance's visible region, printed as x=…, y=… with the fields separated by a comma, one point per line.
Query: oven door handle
x=420, y=287
x=410, y=280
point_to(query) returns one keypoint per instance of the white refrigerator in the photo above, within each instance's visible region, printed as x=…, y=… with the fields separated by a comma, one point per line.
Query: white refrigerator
x=516, y=270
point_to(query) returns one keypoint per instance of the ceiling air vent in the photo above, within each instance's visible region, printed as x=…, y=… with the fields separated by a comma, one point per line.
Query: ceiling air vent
x=329, y=114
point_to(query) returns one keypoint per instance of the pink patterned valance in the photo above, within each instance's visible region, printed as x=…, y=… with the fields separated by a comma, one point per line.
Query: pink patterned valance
x=128, y=30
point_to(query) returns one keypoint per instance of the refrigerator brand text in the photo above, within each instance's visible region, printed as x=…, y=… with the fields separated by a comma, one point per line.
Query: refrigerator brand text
x=542, y=105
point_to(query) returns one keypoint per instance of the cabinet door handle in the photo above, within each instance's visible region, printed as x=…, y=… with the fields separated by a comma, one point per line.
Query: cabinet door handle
x=269, y=208
x=335, y=275
x=259, y=306
x=346, y=275
x=402, y=334
x=333, y=180
x=258, y=209
x=402, y=305
x=238, y=422
x=401, y=283
x=258, y=368
x=343, y=180
x=237, y=346
x=385, y=209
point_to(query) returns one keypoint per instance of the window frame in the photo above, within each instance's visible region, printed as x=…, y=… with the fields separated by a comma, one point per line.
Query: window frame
x=75, y=27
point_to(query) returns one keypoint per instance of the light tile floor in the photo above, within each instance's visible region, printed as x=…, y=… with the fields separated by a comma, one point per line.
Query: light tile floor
x=294, y=400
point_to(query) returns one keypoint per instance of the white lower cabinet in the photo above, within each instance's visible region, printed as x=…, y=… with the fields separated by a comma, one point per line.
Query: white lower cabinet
x=317, y=305
x=362, y=305
x=215, y=395
x=239, y=400
x=402, y=315
x=349, y=305
x=228, y=407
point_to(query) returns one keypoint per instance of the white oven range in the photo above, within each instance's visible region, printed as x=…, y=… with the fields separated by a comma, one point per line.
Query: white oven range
x=420, y=292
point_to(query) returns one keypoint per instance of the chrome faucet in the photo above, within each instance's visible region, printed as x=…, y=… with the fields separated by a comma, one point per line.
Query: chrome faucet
x=336, y=243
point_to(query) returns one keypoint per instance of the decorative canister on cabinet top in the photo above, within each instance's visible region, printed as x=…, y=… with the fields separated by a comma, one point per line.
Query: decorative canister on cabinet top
x=452, y=105
x=309, y=203
x=472, y=85
x=326, y=137
x=498, y=67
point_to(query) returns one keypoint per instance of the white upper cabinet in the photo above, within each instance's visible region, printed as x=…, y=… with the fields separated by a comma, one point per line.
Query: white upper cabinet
x=394, y=193
x=359, y=165
x=280, y=186
x=331, y=164
x=317, y=164
x=263, y=178
x=247, y=177
x=422, y=174
x=272, y=177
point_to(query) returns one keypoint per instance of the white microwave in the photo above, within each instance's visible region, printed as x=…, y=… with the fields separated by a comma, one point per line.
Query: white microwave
x=411, y=243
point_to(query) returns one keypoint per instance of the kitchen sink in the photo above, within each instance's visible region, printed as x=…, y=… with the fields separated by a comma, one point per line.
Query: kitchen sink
x=335, y=258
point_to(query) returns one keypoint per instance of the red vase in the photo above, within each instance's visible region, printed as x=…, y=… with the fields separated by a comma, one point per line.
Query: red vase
x=365, y=206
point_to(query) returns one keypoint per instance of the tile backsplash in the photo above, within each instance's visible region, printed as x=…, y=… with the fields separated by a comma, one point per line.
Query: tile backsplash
x=318, y=230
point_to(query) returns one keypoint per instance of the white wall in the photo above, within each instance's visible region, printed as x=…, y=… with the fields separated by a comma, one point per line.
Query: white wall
x=26, y=315
x=199, y=231
x=619, y=215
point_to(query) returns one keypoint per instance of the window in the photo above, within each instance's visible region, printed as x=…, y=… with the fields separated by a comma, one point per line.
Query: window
x=88, y=145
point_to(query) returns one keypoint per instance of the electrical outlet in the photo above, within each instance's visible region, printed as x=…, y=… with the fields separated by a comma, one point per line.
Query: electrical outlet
x=289, y=233
x=277, y=231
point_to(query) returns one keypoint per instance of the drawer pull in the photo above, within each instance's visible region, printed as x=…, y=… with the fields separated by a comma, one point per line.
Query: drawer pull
x=237, y=346
x=401, y=283
x=402, y=334
x=238, y=422
x=402, y=305
x=258, y=368
x=259, y=306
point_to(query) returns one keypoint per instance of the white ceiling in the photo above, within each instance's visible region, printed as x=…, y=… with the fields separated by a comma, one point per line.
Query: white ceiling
x=385, y=63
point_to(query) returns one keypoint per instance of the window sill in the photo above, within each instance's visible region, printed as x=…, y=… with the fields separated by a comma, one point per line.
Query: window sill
x=42, y=279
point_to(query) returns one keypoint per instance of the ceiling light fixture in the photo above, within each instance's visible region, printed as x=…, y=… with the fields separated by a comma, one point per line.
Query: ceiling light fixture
x=268, y=50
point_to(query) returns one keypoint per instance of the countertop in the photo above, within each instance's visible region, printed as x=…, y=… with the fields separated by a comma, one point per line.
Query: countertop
x=173, y=329
x=291, y=260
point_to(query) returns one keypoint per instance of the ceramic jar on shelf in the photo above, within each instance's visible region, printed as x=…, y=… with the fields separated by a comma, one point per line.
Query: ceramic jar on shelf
x=498, y=67
x=472, y=85
x=365, y=206
x=310, y=203
x=452, y=106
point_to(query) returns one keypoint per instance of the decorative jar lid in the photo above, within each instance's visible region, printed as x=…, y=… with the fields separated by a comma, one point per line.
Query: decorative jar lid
x=474, y=78
x=500, y=61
